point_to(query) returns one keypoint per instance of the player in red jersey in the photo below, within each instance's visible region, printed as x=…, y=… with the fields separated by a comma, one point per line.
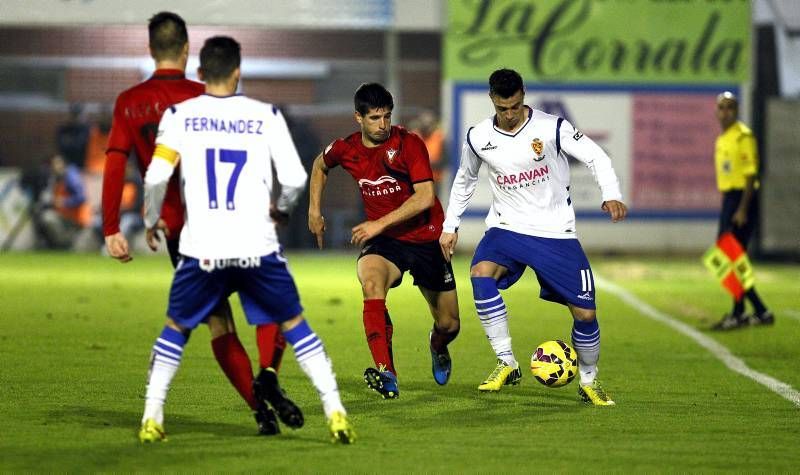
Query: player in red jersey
x=404, y=221
x=137, y=113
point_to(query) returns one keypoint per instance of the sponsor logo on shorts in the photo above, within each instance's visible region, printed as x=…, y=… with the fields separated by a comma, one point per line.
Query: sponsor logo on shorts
x=210, y=265
x=585, y=296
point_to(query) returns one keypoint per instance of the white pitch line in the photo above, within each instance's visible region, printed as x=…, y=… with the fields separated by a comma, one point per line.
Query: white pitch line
x=719, y=351
x=793, y=314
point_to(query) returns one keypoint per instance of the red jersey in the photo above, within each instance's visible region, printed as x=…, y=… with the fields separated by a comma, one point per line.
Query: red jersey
x=386, y=175
x=137, y=113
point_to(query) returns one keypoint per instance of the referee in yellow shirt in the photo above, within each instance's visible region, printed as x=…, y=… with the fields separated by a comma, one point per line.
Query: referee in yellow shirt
x=736, y=162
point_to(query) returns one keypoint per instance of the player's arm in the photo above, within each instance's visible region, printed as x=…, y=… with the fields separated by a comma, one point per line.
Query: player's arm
x=319, y=178
x=464, y=184
x=289, y=169
x=750, y=171
x=585, y=150
x=423, y=198
x=155, y=188
x=119, y=145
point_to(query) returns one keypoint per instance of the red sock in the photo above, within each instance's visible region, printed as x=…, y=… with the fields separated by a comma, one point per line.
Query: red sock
x=235, y=363
x=271, y=344
x=378, y=332
x=440, y=339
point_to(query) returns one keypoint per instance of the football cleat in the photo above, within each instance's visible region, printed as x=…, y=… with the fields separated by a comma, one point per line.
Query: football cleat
x=441, y=366
x=340, y=428
x=267, y=390
x=730, y=322
x=594, y=394
x=503, y=374
x=382, y=382
x=766, y=318
x=266, y=420
x=152, y=431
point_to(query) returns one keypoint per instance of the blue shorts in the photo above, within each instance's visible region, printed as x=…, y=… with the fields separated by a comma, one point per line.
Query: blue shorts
x=266, y=289
x=561, y=266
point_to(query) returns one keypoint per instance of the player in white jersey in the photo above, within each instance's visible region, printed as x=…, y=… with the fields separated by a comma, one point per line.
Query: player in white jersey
x=227, y=145
x=531, y=223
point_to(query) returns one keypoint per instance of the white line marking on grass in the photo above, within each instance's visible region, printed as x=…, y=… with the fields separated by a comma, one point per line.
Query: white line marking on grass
x=721, y=352
x=793, y=314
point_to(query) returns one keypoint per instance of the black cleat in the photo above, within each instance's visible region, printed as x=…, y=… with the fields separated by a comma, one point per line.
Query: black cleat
x=731, y=322
x=268, y=391
x=266, y=420
x=766, y=318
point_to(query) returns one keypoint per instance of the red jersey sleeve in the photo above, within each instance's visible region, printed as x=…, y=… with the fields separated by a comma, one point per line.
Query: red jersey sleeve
x=333, y=153
x=119, y=146
x=415, y=157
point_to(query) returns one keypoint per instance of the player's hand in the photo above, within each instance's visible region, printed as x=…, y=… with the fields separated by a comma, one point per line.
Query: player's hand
x=447, y=241
x=739, y=218
x=152, y=235
x=616, y=209
x=280, y=218
x=117, y=247
x=365, y=231
x=316, y=224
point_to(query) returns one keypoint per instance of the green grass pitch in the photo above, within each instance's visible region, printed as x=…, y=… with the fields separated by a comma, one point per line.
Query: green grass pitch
x=76, y=333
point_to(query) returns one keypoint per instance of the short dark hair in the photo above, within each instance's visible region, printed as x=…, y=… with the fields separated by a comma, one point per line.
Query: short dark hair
x=168, y=35
x=219, y=57
x=505, y=83
x=372, y=96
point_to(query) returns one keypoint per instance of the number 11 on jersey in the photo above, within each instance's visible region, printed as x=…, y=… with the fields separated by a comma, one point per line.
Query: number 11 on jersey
x=238, y=158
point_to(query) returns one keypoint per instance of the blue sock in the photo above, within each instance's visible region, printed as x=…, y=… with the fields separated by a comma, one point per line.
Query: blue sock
x=305, y=342
x=586, y=340
x=168, y=347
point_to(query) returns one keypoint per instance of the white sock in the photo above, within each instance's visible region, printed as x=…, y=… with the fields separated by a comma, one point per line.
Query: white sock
x=165, y=361
x=310, y=353
x=494, y=320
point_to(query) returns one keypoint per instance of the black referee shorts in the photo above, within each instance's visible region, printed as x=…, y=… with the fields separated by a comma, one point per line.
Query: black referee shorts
x=730, y=203
x=424, y=261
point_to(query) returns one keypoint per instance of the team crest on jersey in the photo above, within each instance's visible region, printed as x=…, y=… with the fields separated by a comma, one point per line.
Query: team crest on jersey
x=390, y=155
x=538, y=148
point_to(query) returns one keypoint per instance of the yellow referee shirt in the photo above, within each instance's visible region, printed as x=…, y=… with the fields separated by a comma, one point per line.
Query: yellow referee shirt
x=735, y=157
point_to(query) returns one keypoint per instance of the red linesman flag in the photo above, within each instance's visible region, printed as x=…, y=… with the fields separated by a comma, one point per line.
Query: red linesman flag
x=728, y=261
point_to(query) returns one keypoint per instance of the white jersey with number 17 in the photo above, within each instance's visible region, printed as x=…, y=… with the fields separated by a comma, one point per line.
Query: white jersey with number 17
x=227, y=147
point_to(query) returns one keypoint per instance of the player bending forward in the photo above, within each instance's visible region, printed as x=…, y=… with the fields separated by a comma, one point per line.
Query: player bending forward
x=404, y=220
x=227, y=145
x=531, y=224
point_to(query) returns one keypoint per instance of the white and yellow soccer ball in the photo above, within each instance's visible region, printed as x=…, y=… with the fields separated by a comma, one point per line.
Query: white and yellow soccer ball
x=554, y=363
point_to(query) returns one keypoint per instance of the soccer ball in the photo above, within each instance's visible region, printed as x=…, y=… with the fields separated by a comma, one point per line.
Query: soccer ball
x=554, y=363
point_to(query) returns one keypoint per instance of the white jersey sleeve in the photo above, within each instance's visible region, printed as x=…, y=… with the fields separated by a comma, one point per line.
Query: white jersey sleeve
x=288, y=167
x=161, y=168
x=583, y=149
x=464, y=184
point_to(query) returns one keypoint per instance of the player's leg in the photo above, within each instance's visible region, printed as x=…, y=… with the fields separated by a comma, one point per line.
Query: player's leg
x=434, y=277
x=565, y=277
x=493, y=316
x=193, y=294
x=314, y=361
x=268, y=294
x=586, y=341
x=446, y=325
x=165, y=359
x=377, y=275
x=230, y=353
